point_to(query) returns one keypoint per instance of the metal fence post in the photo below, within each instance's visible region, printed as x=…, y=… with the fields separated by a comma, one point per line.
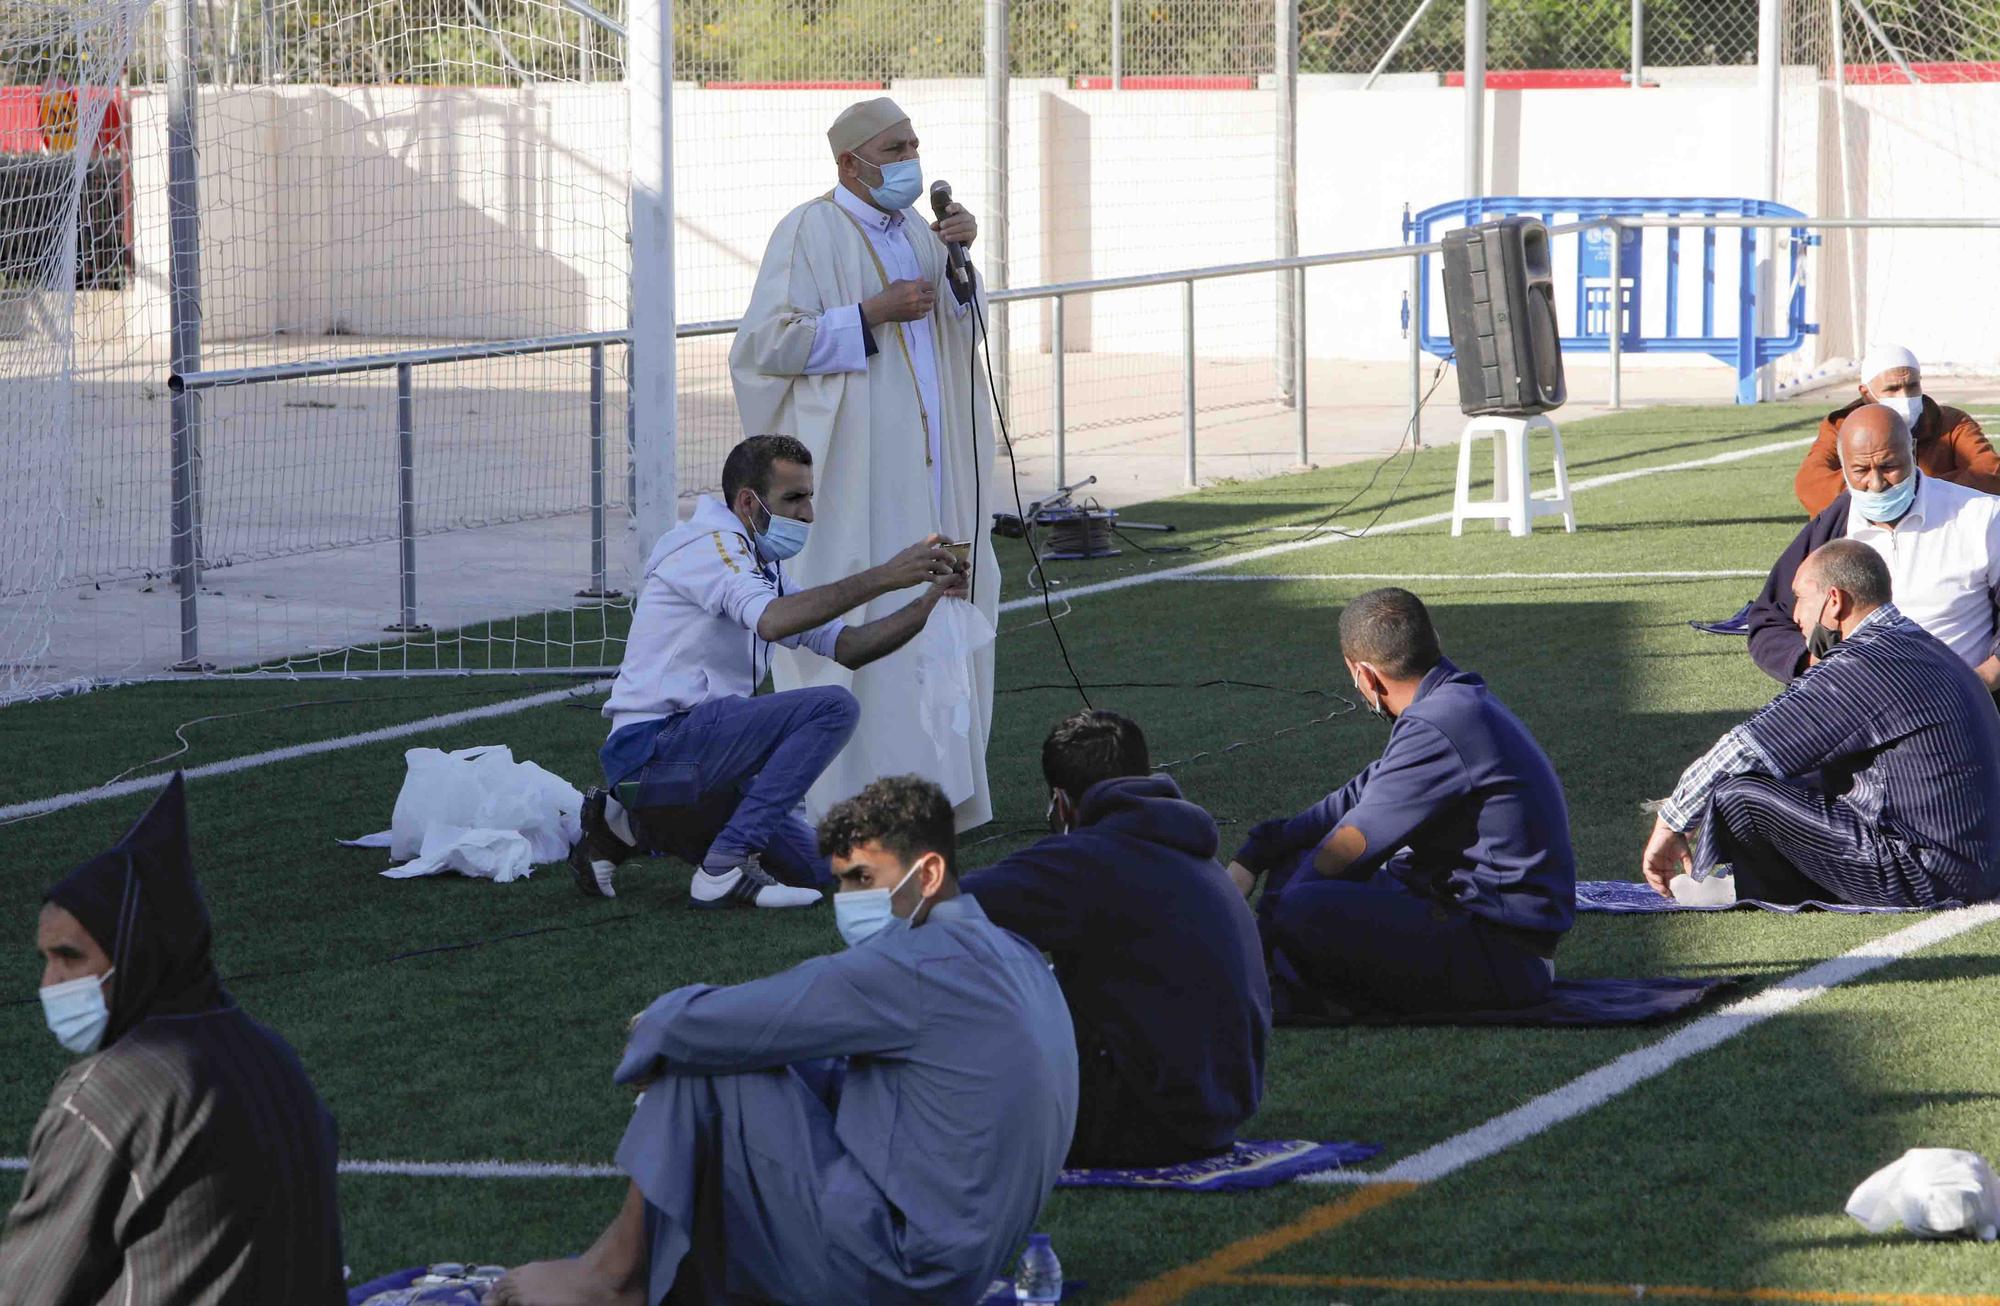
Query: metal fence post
x=1117, y=45
x=654, y=370
x=1475, y=98
x=1614, y=322
x=1638, y=43
x=406, y=496
x=1287, y=206
x=184, y=305
x=597, y=588
x=1770, y=78
x=993, y=231
x=1061, y=435
x=631, y=442
x=1187, y=376
x=1416, y=351
x=1299, y=364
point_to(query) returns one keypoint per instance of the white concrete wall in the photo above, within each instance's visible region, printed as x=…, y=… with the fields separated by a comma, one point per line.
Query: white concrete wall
x=459, y=212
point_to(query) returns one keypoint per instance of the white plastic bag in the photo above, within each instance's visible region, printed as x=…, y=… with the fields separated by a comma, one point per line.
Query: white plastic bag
x=944, y=651
x=479, y=812
x=496, y=855
x=1934, y=1192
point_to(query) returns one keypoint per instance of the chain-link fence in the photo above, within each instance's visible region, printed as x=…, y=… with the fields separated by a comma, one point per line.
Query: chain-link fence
x=390, y=177
x=1352, y=36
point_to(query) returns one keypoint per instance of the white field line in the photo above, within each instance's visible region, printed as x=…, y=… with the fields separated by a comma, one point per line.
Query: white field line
x=1406, y=524
x=1728, y=574
x=1599, y=1086
x=1579, y=1096
x=76, y=798
x=58, y=802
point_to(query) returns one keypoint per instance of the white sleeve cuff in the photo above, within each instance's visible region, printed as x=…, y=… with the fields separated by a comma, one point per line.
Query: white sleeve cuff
x=823, y=640
x=753, y=611
x=838, y=344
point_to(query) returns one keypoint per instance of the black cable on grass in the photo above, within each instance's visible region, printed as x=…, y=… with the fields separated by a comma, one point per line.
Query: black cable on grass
x=248, y=975
x=1323, y=527
x=1020, y=510
x=186, y=743
x=1217, y=683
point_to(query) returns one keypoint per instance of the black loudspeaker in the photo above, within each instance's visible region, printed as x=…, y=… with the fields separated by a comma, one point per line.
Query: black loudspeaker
x=1500, y=299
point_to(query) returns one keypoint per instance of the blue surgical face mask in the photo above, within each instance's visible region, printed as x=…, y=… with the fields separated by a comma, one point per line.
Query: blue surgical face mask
x=902, y=183
x=77, y=1013
x=861, y=914
x=1886, y=505
x=782, y=537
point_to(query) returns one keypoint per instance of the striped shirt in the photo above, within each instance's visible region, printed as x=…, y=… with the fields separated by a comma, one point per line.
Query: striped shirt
x=191, y=1163
x=1897, y=727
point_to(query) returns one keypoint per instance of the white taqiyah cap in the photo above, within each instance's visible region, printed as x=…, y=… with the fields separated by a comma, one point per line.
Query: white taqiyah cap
x=1883, y=358
x=860, y=123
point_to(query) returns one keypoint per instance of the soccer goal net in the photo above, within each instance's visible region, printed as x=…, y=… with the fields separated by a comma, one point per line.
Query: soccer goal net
x=310, y=315
x=1891, y=109
x=324, y=363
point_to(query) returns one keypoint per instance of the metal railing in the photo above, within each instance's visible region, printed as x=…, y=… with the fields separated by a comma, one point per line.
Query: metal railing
x=405, y=362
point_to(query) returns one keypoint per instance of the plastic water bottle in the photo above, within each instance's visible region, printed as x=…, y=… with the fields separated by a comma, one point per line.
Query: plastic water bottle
x=1040, y=1276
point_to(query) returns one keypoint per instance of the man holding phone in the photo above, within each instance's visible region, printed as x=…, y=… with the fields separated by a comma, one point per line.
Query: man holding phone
x=687, y=723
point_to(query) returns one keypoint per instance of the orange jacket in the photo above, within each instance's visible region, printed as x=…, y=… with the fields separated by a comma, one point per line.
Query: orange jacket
x=1950, y=446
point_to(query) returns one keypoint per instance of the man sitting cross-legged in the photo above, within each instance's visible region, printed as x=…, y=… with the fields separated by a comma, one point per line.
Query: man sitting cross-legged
x=1441, y=877
x=1157, y=953
x=686, y=720
x=1873, y=778
x=909, y=1171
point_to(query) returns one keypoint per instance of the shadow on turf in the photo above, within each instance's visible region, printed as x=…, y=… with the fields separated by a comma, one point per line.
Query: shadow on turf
x=1672, y=523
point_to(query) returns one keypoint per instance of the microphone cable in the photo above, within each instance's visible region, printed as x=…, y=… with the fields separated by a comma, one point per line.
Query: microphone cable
x=1027, y=527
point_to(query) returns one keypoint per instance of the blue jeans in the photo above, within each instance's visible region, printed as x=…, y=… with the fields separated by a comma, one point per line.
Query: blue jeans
x=770, y=748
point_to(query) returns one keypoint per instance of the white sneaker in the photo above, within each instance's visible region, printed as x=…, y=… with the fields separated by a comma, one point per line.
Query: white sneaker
x=748, y=885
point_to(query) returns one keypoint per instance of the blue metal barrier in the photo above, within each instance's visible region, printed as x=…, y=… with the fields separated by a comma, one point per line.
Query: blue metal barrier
x=1597, y=287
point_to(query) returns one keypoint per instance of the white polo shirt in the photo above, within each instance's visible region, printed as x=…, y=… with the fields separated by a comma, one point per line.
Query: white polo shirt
x=1944, y=562
x=694, y=628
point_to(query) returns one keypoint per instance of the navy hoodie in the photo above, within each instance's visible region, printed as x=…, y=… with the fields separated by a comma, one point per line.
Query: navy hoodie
x=1156, y=951
x=1776, y=645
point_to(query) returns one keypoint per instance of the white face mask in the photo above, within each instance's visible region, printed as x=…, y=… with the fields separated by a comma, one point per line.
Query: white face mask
x=1907, y=407
x=861, y=914
x=77, y=1013
x=1374, y=706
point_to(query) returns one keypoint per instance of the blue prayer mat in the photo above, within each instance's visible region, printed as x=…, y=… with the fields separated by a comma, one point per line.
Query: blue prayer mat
x=1572, y=1004
x=1243, y=1167
x=1000, y=1293
x=399, y=1284
x=1736, y=625
x=1632, y=896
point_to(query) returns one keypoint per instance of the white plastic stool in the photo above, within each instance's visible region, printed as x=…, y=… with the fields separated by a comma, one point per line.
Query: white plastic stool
x=1512, y=505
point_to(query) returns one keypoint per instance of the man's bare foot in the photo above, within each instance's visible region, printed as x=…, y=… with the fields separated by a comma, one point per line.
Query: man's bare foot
x=563, y=1283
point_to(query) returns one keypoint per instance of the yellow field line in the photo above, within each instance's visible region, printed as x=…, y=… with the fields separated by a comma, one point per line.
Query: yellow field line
x=1622, y=1291
x=1244, y=1252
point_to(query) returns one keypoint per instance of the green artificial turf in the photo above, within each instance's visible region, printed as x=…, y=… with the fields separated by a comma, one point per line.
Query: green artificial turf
x=454, y=1020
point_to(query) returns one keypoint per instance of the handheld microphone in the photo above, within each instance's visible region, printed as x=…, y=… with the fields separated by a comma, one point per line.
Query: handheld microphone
x=961, y=267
